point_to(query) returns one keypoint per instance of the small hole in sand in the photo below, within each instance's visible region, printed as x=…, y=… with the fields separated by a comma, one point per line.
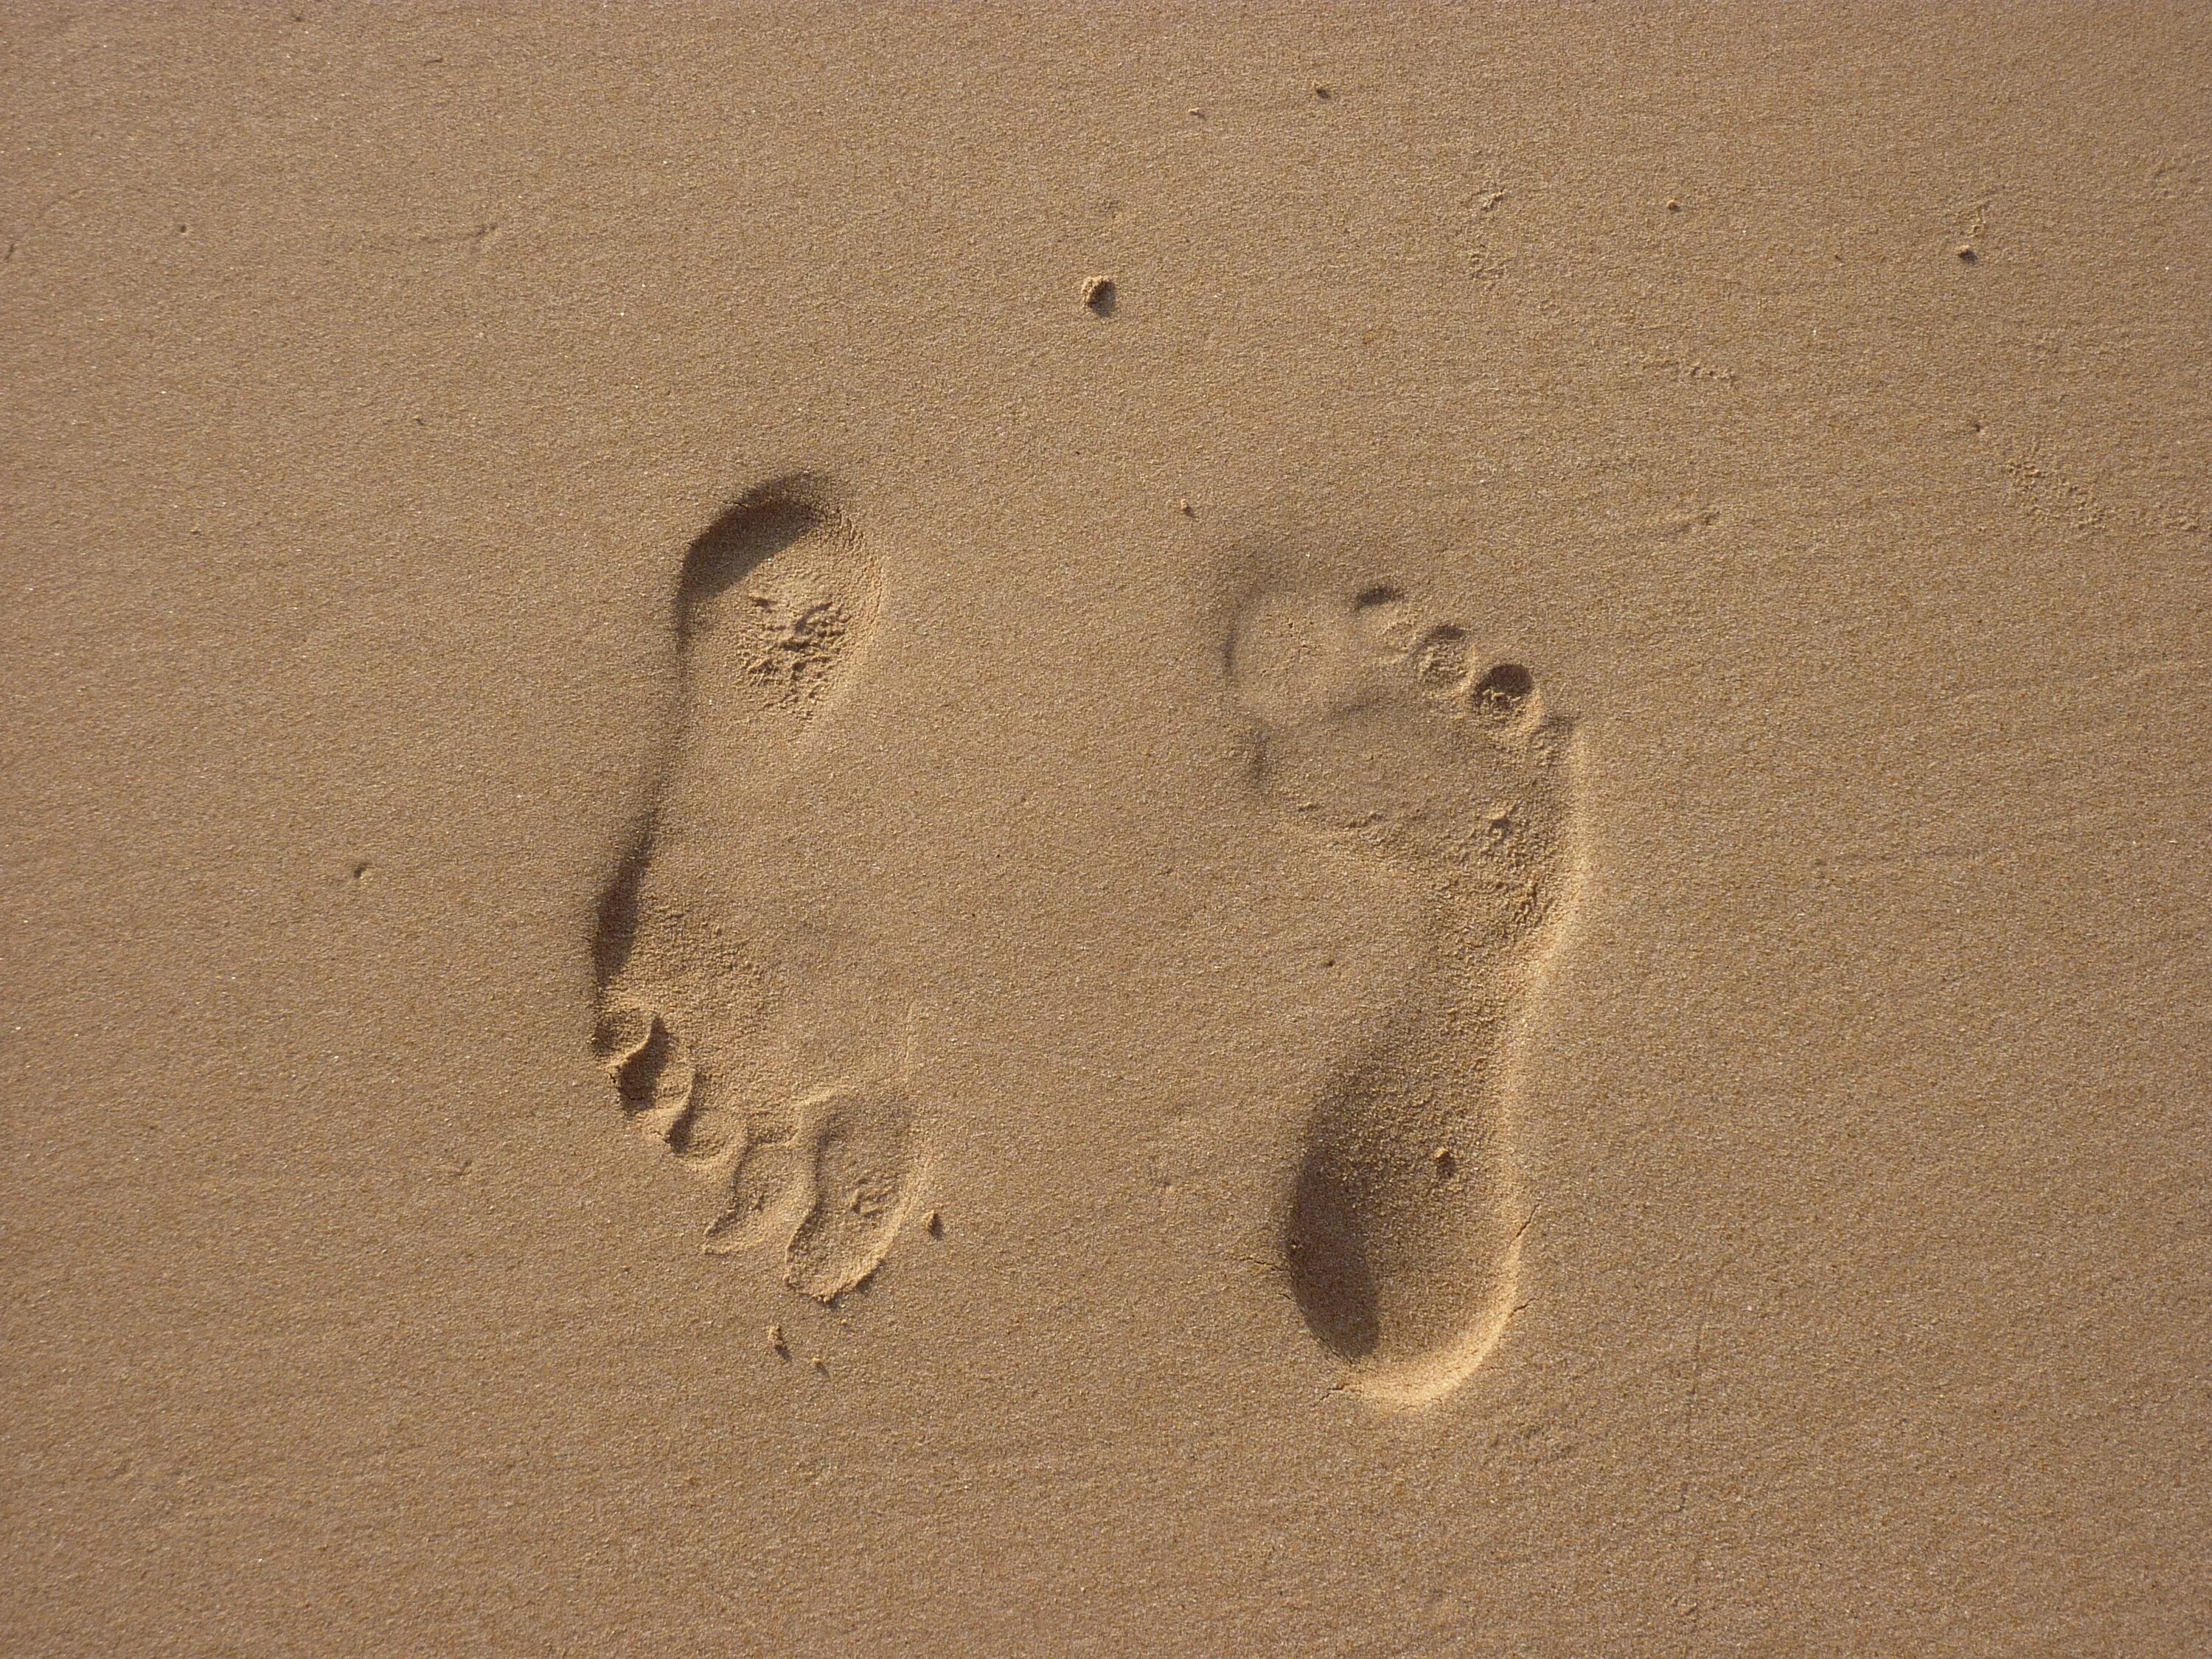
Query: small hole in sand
x=1099, y=295
x=1505, y=688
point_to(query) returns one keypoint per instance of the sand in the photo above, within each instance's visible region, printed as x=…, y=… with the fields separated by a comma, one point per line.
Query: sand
x=1102, y=830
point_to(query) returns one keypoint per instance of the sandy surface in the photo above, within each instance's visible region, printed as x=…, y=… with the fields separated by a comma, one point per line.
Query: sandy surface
x=1475, y=921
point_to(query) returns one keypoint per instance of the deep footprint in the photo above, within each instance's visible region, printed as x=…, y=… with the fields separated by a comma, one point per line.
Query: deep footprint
x=1401, y=1226
x=776, y=605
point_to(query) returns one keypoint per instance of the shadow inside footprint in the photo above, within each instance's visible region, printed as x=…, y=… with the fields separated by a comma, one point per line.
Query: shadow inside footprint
x=1326, y=1251
x=614, y=930
x=731, y=548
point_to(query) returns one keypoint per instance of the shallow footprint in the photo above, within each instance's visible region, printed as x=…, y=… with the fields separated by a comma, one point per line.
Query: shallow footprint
x=1399, y=741
x=776, y=603
x=865, y=1179
x=833, y=1190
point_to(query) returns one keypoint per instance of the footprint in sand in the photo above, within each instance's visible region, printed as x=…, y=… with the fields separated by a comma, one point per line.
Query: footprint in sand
x=775, y=607
x=1402, y=742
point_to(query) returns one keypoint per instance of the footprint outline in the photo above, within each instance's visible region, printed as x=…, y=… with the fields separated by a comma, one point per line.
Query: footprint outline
x=1418, y=1126
x=776, y=603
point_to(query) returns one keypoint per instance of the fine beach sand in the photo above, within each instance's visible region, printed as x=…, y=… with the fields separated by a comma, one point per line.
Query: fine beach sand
x=1109, y=830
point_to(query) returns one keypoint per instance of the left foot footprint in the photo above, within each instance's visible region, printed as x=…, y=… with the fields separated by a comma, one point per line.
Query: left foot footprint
x=835, y=1188
x=775, y=607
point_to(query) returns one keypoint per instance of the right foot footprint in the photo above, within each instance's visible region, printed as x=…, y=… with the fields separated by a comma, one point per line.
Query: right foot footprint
x=1401, y=742
x=775, y=604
